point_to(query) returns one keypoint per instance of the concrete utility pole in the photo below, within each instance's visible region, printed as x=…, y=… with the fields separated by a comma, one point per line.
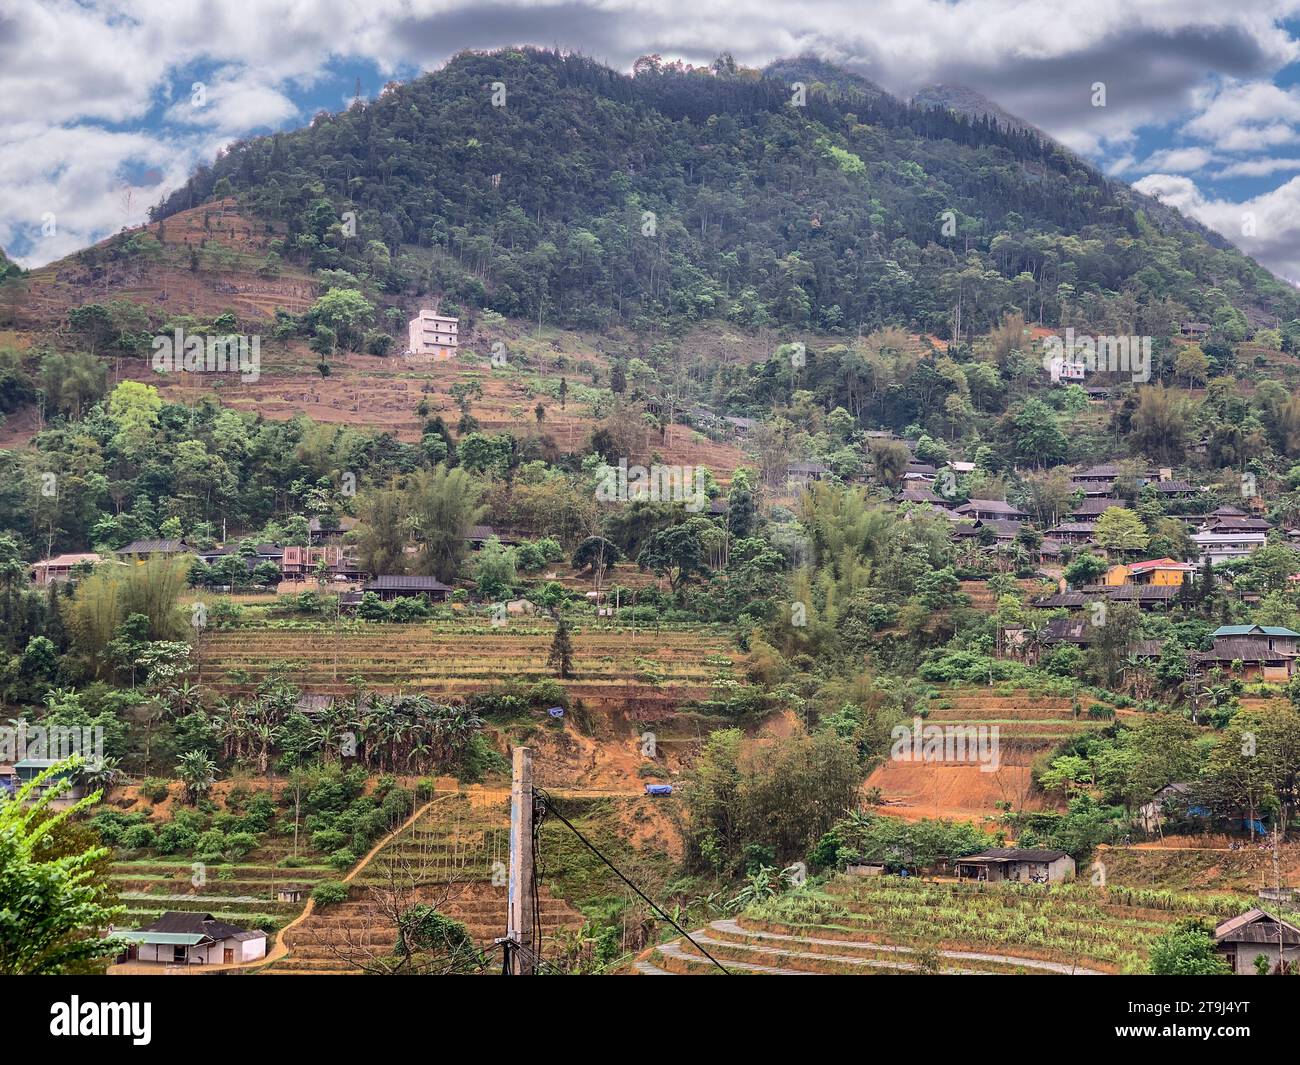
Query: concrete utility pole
x=519, y=927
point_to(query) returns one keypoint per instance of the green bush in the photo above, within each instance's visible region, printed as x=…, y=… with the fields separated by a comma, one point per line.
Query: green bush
x=329, y=893
x=155, y=789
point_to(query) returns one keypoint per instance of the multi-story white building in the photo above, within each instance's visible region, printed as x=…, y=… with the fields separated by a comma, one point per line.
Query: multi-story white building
x=1222, y=543
x=432, y=334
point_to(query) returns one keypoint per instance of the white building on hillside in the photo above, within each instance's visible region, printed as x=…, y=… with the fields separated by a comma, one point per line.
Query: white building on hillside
x=433, y=335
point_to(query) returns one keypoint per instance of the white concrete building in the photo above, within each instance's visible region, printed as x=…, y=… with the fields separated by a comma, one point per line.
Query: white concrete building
x=182, y=937
x=433, y=335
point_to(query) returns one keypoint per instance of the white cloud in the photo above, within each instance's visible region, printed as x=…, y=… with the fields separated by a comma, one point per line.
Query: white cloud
x=66, y=65
x=1257, y=168
x=1179, y=160
x=1265, y=226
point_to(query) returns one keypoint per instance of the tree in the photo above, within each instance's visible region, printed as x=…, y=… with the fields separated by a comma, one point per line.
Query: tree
x=381, y=540
x=1120, y=529
x=1186, y=950
x=675, y=552
x=560, y=657
x=443, y=507
x=54, y=904
x=494, y=570
x=595, y=555
x=345, y=311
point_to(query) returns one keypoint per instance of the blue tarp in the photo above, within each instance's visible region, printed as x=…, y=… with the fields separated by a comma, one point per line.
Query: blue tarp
x=1257, y=827
x=658, y=789
x=556, y=711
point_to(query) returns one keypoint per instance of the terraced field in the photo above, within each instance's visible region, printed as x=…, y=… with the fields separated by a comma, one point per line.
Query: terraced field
x=614, y=667
x=887, y=925
x=454, y=856
x=244, y=893
x=1027, y=724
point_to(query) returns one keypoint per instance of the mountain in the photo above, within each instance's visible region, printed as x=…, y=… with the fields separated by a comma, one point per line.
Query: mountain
x=677, y=195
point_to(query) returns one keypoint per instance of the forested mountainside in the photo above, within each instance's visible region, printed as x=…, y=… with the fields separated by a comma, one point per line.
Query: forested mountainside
x=675, y=194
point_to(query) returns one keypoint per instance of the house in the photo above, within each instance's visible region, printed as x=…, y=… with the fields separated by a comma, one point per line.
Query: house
x=299, y=563
x=1194, y=329
x=1030, y=865
x=1157, y=571
x=1078, y=631
x=60, y=568
x=1096, y=475
x=321, y=530
x=961, y=467
x=991, y=510
x=917, y=493
x=1173, y=800
x=1173, y=489
x=1073, y=532
x=391, y=586
x=1221, y=542
x=140, y=549
x=1240, y=940
x=1003, y=532
x=1093, y=507
x=183, y=937
x=919, y=471
x=293, y=893
x=433, y=335
x=481, y=534
x=804, y=472
x=740, y=425
x=28, y=769
x=1279, y=638
x=1258, y=660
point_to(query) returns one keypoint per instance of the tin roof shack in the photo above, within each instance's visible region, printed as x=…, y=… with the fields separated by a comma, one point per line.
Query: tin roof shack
x=29, y=769
x=1026, y=866
x=1240, y=940
x=182, y=937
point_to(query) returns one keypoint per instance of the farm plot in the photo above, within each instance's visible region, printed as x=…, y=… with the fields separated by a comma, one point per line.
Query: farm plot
x=888, y=925
x=613, y=667
x=454, y=856
x=245, y=893
x=1027, y=724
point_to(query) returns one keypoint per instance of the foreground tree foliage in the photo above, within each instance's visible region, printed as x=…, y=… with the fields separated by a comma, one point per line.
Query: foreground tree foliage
x=54, y=905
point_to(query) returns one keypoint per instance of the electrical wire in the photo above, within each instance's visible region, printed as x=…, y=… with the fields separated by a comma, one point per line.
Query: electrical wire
x=549, y=807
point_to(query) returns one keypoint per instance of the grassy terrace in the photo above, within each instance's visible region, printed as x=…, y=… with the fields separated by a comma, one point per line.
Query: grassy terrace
x=241, y=892
x=450, y=658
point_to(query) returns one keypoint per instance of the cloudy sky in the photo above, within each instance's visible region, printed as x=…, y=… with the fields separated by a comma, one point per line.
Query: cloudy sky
x=98, y=118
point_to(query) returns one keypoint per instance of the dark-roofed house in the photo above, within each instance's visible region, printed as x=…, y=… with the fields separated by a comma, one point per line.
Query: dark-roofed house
x=393, y=585
x=1174, y=488
x=1028, y=865
x=1093, y=507
x=919, y=493
x=803, y=472
x=1073, y=532
x=990, y=510
x=184, y=937
x=322, y=530
x=1240, y=940
x=1258, y=660
x=148, y=548
x=481, y=534
x=1079, y=631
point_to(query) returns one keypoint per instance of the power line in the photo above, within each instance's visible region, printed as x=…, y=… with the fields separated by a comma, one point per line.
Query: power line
x=549, y=806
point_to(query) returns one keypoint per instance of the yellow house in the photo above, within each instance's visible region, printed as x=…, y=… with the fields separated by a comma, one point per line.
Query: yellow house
x=1165, y=572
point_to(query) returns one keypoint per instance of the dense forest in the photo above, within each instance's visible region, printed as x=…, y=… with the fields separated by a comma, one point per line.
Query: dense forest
x=548, y=187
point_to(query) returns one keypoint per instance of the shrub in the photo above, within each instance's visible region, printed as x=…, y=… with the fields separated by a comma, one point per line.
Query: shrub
x=239, y=844
x=176, y=837
x=329, y=892
x=155, y=789
x=328, y=839
x=137, y=837
x=342, y=859
x=211, y=846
